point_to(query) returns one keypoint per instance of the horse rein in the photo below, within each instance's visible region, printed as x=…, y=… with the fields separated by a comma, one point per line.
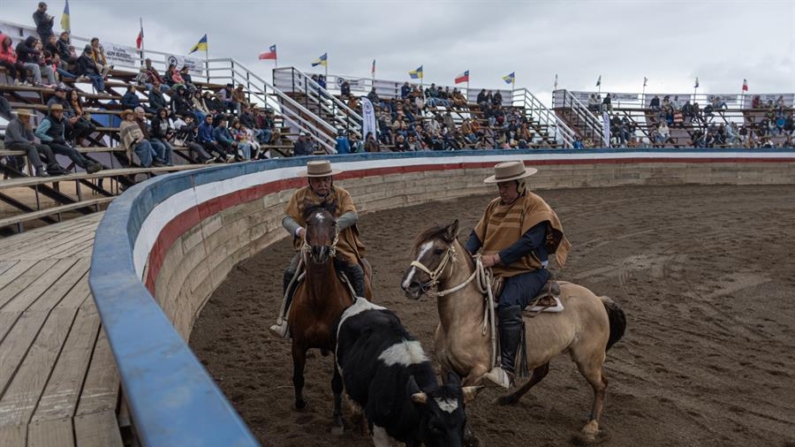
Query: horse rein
x=306, y=248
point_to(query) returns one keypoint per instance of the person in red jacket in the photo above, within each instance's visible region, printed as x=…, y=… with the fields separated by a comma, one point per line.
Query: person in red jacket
x=9, y=60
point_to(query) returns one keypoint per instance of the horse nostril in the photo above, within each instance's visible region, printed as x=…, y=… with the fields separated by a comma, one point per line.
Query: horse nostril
x=415, y=285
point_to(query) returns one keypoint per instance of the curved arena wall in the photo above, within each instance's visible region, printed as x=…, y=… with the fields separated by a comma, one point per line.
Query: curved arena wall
x=176, y=237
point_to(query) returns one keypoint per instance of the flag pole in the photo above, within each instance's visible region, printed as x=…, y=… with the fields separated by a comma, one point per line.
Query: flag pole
x=141, y=22
x=643, y=95
x=207, y=59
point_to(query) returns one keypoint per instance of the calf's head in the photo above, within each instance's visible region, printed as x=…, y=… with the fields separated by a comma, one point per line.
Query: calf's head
x=442, y=413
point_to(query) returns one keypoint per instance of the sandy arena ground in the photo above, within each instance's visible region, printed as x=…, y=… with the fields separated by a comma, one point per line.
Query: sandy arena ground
x=706, y=276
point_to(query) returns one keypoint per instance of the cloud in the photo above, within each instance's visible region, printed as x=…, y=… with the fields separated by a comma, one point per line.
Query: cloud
x=670, y=42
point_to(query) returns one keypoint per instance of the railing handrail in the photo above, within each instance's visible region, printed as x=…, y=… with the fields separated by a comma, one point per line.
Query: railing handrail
x=531, y=103
x=313, y=90
x=311, y=82
x=593, y=124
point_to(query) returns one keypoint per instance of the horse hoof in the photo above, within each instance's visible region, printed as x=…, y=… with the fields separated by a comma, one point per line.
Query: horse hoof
x=508, y=399
x=301, y=406
x=590, y=435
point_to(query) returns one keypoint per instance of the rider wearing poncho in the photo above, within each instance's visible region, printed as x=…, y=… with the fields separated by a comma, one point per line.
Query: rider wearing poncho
x=517, y=233
x=349, y=248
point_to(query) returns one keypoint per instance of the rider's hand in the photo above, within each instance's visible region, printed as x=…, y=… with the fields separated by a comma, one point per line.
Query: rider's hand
x=490, y=260
x=299, y=232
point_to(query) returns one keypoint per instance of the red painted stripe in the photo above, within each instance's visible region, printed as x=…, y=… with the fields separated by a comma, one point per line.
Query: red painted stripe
x=192, y=217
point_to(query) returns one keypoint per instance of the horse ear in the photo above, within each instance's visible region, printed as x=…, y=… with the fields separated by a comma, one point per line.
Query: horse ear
x=471, y=392
x=451, y=233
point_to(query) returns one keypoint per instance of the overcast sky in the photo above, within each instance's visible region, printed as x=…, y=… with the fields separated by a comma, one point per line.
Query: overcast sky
x=670, y=42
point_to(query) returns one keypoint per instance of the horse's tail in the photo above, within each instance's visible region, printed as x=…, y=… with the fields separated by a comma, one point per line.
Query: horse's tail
x=617, y=319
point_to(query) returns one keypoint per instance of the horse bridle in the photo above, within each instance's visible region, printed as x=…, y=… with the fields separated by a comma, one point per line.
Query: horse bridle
x=449, y=256
x=306, y=248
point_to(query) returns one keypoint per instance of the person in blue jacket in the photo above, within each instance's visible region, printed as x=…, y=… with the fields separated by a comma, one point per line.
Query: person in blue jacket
x=343, y=145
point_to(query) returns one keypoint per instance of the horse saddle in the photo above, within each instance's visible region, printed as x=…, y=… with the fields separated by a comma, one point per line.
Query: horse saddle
x=547, y=300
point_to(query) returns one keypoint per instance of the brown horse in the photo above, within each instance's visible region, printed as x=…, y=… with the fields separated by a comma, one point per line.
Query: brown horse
x=586, y=328
x=318, y=302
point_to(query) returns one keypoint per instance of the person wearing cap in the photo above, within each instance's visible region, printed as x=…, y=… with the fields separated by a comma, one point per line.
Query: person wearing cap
x=88, y=68
x=52, y=132
x=76, y=129
x=350, y=249
x=19, y=137
x=303, y=145
x=63, y=44
x=517, y=233
x=225, y=96
x=44, y=22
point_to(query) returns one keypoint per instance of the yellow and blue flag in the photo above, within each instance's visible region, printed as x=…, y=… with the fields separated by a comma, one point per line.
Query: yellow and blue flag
x=65, y=24
x=416, y=74
x=322, y=60
x=510, y=79
x=201, y=45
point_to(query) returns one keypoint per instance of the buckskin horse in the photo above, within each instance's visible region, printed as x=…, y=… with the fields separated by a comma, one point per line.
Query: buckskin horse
x=318, y=302
x=587, y=327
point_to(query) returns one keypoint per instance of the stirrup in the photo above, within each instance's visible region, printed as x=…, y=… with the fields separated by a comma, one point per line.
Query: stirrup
x=498, y=377
x=280, y=330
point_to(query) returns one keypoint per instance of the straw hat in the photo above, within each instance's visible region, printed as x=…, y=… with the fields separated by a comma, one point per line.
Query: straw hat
x=23, y=112
x=319, y=168
x=125, y=113
x=510, y=170
x=56, y=108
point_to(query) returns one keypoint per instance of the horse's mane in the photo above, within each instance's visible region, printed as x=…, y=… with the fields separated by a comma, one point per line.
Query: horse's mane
x=434, y=232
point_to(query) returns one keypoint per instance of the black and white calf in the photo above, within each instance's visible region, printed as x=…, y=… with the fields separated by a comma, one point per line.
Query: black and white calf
x=387, y=373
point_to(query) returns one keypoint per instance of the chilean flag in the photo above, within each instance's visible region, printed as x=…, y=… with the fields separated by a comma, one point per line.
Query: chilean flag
x=140, y=40
x=270, y=54
x=745, y=85
x=463, y=77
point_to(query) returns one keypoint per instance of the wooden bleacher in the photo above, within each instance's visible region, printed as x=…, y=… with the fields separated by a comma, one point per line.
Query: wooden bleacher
x=58, y=380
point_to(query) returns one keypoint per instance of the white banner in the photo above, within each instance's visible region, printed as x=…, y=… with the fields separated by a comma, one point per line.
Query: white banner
x=355, y=84
x=606, y=118
x=368, y=119
x=120, y=55
x=195, y=65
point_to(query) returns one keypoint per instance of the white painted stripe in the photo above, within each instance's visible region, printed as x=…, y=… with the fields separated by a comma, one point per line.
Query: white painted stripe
x=178, y=203
x=404, y=353
x=447, y=405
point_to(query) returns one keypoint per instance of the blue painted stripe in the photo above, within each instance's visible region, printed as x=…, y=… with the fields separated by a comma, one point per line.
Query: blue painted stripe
x=173, y=400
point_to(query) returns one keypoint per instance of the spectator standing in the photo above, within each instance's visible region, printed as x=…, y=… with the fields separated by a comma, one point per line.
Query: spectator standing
x=44, y=22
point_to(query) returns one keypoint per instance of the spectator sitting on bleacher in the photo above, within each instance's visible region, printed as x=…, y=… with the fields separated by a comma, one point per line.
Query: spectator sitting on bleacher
x=52, y=132
x=184, y=73
x=345, y=89
x=162, y=152
x=207, y=140
x=664, y=134
x=51, y=44
x=718, y=103
x=98, y=56
x=239, y=99
x=481, y=99
x=373, y=97
x=246, y=148
x=73, y=127
x=405, y=90
x=5, y=109
x=160, y=131
x=61, y=73
x=63, y=44
x=212, y=102
x=9, y=59
x=152, y=71
x=19, y=137
x=267, y=125
x=156, y=99
x=133, y=140
x=497, y=99
x=182, y=103
x=578, y=143
x=43, y=22
x=675, y=104
x=343, y=145
x=654, y=105
x=224, y=138
x=80, y=120
x=371, y=144
x=248, y=120
x=302, y=146
x=200, y=108
x=30, y=59
x=172, y=76
x=593, y=103
x=130, y=99
x=187, y=133
x=688, y=112
x=225, y=96
x=88, y=68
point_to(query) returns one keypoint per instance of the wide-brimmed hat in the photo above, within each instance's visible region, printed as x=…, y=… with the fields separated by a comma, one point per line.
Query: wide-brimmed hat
x=510, y=170
x=23, y=112
x=319, y=168
x=126, y=112
x=56, y=107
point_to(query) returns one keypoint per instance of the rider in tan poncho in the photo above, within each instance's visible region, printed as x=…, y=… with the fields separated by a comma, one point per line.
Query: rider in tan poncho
x=517, y=233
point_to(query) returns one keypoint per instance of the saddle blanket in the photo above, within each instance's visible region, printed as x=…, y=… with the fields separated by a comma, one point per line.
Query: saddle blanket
x=547, y=307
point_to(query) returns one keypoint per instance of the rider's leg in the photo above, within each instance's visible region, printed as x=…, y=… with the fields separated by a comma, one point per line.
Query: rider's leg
x=355, y=274
x=518, y=291
x=280, y=328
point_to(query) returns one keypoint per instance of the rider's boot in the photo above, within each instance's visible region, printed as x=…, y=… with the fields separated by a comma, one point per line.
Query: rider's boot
x=280, y=329
x=510, y=337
